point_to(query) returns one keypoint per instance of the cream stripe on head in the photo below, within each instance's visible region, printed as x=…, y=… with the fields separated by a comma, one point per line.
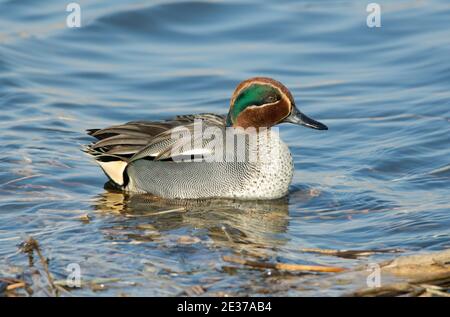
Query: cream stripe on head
x=284, y=91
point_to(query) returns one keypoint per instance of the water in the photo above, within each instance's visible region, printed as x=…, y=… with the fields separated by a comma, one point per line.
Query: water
x=379, y=178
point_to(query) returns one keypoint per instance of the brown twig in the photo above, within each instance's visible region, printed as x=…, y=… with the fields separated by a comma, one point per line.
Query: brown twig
x=283, y=266
x=29, y=247
x=14, y=286
x=349, y=254
x=158, y=213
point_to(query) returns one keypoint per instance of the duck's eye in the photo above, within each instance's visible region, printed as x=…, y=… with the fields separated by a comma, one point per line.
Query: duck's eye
x=271, y=99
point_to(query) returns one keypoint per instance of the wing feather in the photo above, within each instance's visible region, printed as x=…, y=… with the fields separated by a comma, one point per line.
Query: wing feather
x=138, y=139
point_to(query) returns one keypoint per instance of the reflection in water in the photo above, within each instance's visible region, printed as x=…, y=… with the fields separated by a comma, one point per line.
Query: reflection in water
x=243, y=225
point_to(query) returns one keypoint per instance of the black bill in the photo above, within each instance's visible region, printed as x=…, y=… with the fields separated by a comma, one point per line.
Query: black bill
x=299, y=118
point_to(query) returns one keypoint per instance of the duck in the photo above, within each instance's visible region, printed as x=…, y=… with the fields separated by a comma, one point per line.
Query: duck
x=172, y=159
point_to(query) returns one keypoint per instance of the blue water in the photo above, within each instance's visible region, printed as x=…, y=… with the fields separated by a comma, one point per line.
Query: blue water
x=379, y=178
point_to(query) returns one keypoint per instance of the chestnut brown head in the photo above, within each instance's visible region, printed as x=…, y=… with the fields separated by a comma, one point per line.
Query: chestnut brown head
x=264, y=102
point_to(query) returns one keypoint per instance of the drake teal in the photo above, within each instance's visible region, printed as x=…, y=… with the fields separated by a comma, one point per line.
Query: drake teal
x=150, y=157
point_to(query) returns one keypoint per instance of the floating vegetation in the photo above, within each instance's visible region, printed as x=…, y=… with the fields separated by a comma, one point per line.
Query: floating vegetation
x=417, y=275
x=414, y=275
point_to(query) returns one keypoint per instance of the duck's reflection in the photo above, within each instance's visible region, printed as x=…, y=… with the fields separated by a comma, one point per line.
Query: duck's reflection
x=249, y=225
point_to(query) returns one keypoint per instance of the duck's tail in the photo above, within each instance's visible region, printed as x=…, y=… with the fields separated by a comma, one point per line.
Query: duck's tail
x=112, y=165
x=115, y=170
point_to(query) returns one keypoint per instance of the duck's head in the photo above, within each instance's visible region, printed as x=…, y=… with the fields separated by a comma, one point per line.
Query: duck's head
x=264, y=102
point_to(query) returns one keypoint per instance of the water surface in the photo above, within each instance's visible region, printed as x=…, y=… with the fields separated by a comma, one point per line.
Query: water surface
x=378, y=179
